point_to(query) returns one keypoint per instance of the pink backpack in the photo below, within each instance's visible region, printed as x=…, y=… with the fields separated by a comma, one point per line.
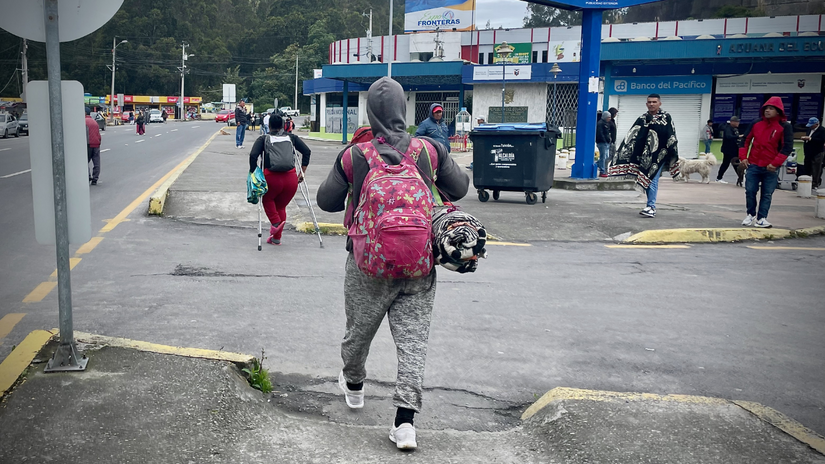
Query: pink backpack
x=391, y=230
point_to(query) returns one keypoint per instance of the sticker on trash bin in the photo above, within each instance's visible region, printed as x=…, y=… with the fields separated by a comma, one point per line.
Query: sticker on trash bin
x=503, y=156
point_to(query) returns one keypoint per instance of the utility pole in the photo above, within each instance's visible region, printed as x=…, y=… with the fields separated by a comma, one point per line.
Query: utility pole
x=112, y=95
x=295, y=101
x=183, y=59
x=389, y=63
x=25, y=69
x=369, y=40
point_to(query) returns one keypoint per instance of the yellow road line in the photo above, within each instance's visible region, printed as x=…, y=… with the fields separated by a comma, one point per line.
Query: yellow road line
x=164, y=349
x=786, y=248
x=8, y=322
x=648, y=246
x=143, y=196
x=89, y=246
x=508, y=244
x=72, y=263
x=19, y=359
x=785, y=423
x=40, y=292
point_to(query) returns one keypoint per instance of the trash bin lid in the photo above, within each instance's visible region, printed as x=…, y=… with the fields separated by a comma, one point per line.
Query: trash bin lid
x=538, y=127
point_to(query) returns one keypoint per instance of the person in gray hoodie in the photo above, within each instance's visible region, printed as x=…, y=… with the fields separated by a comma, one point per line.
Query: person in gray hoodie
x=435, y=127
x=407, y=303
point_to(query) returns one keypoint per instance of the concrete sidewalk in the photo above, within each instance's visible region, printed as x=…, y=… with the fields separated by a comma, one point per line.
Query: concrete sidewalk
x=212, y=190
x=139, y=402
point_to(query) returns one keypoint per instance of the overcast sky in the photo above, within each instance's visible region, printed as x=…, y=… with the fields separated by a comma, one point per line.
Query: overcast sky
x=505, y=13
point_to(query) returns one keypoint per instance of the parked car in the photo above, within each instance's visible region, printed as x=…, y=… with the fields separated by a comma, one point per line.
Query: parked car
x=8, y=125
x=287, y=110
x=155, y=116
x=23, y=122
x=223, y=115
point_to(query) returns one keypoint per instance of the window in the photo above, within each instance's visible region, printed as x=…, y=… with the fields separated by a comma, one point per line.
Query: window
x=481, y=58
x=535, y=57
x=2, y=118
x=544, y=56
x=490, y=58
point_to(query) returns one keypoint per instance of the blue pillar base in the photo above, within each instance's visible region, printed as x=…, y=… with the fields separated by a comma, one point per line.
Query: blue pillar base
x=583, y=171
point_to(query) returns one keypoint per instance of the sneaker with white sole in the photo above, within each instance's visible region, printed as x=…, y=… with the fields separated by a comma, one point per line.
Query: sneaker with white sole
x=404, y=436
x=648, y=212
x=763, y=223
x=720, y=181
x=355, y=398
x=748, y=221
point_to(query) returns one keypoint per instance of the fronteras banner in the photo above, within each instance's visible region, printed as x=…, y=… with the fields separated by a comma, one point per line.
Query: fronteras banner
x=444, y=15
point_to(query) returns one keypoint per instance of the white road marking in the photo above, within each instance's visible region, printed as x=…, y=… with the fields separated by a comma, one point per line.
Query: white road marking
x=15, y=174
x=173, y=130
x=4, y=149
x=158, y=135
x=105, y=150
x=195, y=127
x=140, y=141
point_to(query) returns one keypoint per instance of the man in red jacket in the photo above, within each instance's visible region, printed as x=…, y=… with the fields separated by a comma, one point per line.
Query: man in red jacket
x=767, y=145
x=93, y=145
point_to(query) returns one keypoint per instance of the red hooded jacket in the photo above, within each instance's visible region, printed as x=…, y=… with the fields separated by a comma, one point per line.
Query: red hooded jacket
x=92, y=132
x=772, y=139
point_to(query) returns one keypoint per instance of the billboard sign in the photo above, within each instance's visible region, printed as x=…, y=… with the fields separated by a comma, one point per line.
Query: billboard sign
x=443, y=15
x=517, y=53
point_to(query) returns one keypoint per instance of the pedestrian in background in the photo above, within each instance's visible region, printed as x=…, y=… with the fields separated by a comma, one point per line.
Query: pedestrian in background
x=650, y=147
x=278, y=149
x=603, y=141
x=814, y=150
x=767, y=145
x=131, y=118
x=164, y=115
x=93, y=140
x=265, y=123
x=613, y=131
x=434, y=127
x=241, y=120
x=407, y=303
x=730, y=146
x=140, y=120
x=707, y=135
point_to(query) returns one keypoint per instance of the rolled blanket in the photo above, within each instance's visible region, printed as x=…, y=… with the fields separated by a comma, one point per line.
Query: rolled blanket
x=458, y=240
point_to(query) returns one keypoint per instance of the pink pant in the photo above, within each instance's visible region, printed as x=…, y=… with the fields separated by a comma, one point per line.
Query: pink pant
x=282, y=187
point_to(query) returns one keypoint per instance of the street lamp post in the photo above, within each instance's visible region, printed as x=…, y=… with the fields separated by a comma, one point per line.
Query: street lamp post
x=555, y=70
x=503, y=51
x=112, y=95
x=184, y=57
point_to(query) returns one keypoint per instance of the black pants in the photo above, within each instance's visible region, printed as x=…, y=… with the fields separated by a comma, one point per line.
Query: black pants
x=813, y=168
x=726, y=159
x=94, y=157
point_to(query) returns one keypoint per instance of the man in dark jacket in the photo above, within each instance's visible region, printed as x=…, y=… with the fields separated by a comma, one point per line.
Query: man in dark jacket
x=767, y=145
x=814, y=150
x=603, y=141
x=434, y=127
x=730, y=146
x=613, y=131
x=407, y=303
x=241, y=119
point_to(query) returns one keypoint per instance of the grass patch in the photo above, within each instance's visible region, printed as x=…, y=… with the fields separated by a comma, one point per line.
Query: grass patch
x=257, y=376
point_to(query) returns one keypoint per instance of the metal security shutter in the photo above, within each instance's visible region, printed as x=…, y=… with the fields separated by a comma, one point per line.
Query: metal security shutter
x=686, y=113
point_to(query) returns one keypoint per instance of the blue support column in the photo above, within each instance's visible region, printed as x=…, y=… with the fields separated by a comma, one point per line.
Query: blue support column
x=461, y=97
x=584, y=167
x=345, y=103
x=608, y=86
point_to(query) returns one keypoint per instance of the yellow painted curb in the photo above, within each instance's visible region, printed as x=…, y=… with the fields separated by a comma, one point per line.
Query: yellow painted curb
x=706, y=235
x=21, y=357
x=163, y=349
x=785, y=424
x=564, y=393
x=812, y=230
x=327, y=228
x=158, y=200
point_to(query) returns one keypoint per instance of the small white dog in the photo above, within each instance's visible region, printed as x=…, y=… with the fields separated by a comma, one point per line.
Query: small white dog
x=700, y=166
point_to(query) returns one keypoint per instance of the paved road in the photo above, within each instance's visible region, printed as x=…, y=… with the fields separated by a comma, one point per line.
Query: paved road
x=728, y=320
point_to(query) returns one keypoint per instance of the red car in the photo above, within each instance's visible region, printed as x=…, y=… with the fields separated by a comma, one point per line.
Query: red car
x=223, y=116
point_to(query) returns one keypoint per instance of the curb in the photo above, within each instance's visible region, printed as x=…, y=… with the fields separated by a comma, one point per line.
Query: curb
x=763, y=413
x=21, y=357
x=157, y=200
x=706, y=235
x=327, y=228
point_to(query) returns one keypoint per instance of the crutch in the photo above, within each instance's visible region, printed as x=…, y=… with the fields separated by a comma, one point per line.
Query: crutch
x=305, y=192
x=260, y=207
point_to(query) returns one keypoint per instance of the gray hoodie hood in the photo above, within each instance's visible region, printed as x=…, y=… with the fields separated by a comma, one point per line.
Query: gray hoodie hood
x=387, y=112
x=606, y=115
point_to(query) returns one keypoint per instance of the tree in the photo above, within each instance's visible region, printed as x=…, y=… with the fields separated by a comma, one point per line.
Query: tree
x=545, y=16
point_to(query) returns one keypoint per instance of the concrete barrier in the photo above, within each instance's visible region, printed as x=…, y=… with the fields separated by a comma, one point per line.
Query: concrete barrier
x=803, y=189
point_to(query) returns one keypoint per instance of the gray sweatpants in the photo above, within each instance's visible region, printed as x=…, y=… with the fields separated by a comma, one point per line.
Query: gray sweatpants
x=408, y=304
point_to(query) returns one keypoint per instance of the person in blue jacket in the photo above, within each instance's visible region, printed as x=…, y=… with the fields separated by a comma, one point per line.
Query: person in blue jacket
x=434, y=126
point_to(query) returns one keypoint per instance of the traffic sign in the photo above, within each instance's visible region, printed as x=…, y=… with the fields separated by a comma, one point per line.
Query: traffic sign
x=76, y=18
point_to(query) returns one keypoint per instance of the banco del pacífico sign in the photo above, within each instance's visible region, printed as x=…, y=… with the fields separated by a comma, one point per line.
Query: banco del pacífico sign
x=662, y=85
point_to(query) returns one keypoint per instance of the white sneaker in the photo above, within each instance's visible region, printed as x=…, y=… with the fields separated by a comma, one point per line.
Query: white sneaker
x=648, y=212
x=355, y=398
x=763, y=223
x=404, y=436
x=721, y=181
x=748, y=221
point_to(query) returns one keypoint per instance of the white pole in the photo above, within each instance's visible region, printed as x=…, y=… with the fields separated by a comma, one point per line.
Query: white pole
x=295, y=101
x=392, y=49
x=182, y=77
x=112, y=95
x=25, y=69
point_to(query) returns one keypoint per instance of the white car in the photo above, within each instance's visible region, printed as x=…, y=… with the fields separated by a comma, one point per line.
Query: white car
x=287, y=110
x=155, y=116
x=8, y=125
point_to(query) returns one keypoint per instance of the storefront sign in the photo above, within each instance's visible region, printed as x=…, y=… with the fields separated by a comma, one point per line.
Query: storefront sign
x=763, y=47
x=810, y=106
x=511, y=114
x=423, y=15
x=335, y=120
x=566, y=51
x=751, y=108
x=493, y=73
x=517, y=53
x=662, y=85
x=724, y=106
x=770, y=83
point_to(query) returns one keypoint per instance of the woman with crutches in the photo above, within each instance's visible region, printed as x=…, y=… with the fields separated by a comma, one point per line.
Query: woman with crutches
x=276, y=147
